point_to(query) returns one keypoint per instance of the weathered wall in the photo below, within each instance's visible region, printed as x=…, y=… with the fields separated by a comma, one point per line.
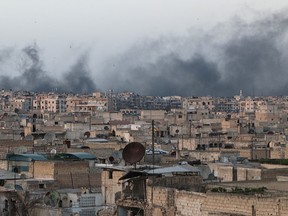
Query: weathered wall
x=245, y=174
x=75, y=174
x=187, y=203
x=225, y=203
x=110, y=185
x=205, y=155
x=43, y=169
x=270, y=174
x=222, y=171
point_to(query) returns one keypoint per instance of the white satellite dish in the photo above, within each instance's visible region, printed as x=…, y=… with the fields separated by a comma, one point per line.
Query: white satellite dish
x=53, y=151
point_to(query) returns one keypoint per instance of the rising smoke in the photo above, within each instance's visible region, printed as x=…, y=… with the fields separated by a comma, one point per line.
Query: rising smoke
x=251, y=56
x=33, y=77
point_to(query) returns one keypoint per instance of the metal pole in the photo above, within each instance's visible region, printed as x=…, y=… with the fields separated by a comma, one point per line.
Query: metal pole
x=153, y=137
x=190, y=126
x=153, y=161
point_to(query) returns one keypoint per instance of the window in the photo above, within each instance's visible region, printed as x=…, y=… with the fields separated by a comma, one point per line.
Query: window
x=110, y=174
x=41, y=186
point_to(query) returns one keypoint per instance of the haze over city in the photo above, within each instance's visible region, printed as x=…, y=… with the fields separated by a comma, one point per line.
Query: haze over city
x=153, y=48
x=144, y=108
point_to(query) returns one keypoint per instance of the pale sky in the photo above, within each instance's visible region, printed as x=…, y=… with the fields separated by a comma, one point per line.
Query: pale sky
x=65, y=29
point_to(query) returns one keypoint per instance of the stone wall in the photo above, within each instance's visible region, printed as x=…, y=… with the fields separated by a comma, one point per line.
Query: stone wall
x=234, y=204
x=187, y=203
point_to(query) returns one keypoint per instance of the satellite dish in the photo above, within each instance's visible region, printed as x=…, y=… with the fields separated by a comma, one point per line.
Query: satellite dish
x=53, y=151
x=52, y=198
x=49, y=137
x=87, y=134
x=133, y=152
x=116, y=157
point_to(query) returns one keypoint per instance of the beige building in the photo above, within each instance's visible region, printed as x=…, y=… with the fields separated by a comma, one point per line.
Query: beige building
x=50, y=103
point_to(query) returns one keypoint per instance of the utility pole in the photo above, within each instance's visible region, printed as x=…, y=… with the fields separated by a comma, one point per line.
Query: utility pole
x=153, y=161
x=153, y=137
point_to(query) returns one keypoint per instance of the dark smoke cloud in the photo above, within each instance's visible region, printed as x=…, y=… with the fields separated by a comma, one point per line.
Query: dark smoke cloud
x=252, y=57
x=34, y=78
x=78, y=78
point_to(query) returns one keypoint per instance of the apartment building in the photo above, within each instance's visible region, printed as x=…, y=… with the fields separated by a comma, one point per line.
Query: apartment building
x=50, y=103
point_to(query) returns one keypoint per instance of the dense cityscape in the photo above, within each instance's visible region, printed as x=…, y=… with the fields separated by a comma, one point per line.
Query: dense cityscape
x=144, y=108
x=111, y=153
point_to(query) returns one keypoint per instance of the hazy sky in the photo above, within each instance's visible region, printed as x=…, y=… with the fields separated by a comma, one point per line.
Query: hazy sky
x=65, y=30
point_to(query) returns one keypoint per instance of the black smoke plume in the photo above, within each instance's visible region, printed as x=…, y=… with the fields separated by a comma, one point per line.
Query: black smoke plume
x=251, y=56
x=34, y=78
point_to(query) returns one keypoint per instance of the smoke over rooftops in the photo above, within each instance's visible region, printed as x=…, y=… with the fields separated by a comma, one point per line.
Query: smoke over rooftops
x=236, y=55
x=33, y=77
